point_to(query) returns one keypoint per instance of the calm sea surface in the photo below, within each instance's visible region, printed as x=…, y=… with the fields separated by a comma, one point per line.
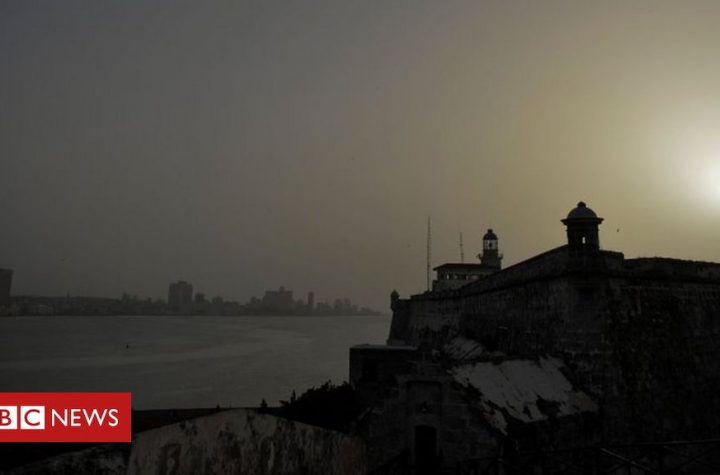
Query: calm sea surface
x=176, y=362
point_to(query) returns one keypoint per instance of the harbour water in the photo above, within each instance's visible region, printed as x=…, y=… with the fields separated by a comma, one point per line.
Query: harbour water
x=182, y=361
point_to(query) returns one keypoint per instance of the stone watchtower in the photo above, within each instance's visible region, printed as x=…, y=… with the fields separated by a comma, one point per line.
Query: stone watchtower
x=491, y=256
x=582, y=228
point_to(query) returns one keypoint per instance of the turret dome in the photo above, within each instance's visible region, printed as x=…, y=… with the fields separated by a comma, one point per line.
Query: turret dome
x=581, y=211
x=490, y=235
x=582, y=228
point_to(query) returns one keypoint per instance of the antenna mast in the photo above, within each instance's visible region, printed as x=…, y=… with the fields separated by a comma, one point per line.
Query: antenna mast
x=462, y=251
x=427, y=275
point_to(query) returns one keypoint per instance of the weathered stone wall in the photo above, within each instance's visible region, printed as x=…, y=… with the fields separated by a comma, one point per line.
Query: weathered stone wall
x=672, y=269
x=374, y=369
x=107, y=459
x=426, y=398
x=641, y=336
x=235, y=441
x=663, y=345
x=426, y=320
x=647, y=350
x=243, y=441
x=534, y=293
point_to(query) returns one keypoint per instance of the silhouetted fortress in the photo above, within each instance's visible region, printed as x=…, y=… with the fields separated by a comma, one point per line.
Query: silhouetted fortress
x=575, y=361
x=575, y=347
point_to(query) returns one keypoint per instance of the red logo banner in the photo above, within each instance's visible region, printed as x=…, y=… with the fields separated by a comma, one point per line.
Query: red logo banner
x=65, y=417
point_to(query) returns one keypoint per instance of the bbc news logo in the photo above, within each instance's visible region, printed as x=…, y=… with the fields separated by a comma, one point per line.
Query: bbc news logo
x=33, y=417
x=65, y=417
x=30, y=417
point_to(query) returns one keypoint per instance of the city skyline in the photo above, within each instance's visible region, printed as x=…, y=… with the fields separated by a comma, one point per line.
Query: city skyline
x=182, y=298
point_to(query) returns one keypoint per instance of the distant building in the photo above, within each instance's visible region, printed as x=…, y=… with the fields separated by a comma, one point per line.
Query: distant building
x=311, y=301
x=200, y=304
x=281, y=302
x=217, y=306
x=278, y=301
x=5, y=284
x=180, y=297
x=323, y=308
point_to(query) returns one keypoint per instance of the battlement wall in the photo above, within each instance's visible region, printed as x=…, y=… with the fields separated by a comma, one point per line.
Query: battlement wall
x=642, y=336
x=672, y=269
x=522, y=292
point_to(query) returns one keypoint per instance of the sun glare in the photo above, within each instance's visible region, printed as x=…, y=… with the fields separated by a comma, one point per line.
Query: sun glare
x=714, y=182
x=707, y=179
x=698, y=164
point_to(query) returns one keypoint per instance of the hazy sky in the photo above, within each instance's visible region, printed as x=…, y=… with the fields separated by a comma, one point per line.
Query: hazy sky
x=247, y=145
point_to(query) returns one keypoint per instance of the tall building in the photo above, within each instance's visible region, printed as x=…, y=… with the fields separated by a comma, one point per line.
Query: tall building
x=5, y=284
x=311, y=301
x=278, y=301
x=180, y=296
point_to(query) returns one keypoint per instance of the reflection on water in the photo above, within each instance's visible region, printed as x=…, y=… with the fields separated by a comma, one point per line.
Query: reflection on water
x=181, y=361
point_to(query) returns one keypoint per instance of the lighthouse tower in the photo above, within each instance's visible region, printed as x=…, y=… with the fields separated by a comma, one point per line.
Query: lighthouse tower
x=491, y=256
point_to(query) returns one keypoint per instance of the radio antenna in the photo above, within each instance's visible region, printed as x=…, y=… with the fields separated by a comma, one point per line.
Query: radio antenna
x=462, y=251
x=427, y=269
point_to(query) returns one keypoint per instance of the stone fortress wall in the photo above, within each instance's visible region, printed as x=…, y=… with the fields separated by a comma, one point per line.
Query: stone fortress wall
x=641, y=336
